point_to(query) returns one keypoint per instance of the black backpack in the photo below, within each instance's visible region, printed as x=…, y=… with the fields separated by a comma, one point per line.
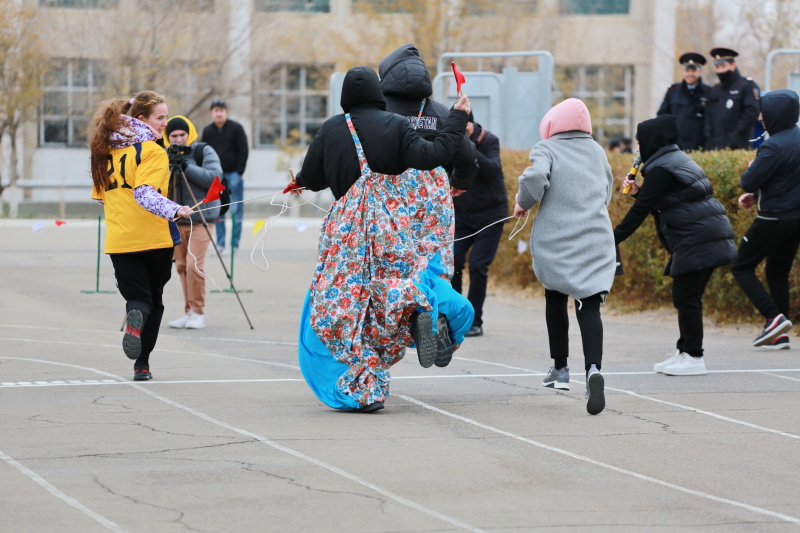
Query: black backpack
x=225, y=195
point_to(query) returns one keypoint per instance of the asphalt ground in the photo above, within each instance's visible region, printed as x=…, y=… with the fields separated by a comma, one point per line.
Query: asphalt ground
x=228, y=437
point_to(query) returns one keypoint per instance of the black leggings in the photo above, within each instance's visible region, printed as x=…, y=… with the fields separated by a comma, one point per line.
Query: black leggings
x=687, y=297
x=141, y=278
x=588, y=312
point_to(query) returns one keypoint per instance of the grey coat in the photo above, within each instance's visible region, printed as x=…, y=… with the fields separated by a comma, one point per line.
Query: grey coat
x=572, y=241
x=200, y=179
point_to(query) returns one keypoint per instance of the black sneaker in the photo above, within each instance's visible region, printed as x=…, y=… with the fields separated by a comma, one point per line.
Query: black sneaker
x=132, y=340
x=772, y=329
x=444, y=346
x=781, y=342
x=474, y=331
x=142, y=374
x=371, y=408
x=424, y=339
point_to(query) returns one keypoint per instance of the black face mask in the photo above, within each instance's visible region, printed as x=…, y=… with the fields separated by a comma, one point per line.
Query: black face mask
x=725, y=77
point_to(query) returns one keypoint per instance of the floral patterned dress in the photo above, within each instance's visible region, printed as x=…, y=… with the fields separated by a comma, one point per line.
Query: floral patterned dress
x=384, y=248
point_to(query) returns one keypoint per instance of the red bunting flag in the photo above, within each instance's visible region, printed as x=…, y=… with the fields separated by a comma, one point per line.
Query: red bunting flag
x=291, y=187
x=60, y=222
x=214, y=190
x=459, y=78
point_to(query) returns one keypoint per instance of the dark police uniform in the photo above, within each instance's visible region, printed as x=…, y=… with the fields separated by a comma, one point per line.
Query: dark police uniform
x=688, y=105
x=732, y=109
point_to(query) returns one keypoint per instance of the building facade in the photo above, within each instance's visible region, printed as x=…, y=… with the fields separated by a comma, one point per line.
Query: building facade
x=271, y=61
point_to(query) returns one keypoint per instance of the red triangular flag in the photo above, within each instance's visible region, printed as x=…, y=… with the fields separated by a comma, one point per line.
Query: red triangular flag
x=291, y=187
x=214, y=190
x=459, y=77
x=60, y=222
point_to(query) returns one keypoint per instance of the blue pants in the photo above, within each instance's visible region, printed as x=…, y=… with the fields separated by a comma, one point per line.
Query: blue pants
x=236, y=186
x=321, y=370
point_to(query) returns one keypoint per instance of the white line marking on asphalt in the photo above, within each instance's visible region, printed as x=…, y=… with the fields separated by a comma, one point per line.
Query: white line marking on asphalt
x=673, y=404
x=595, y=462
x=336, y=470
x=185, y=352
x=69, y=500
x=777, y=375
x=94, y=382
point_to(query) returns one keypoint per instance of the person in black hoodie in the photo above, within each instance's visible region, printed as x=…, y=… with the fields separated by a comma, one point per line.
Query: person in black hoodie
x=484, y=203
x=692, y=226
x=378, y=284
x=772, y=182
x=407, y=86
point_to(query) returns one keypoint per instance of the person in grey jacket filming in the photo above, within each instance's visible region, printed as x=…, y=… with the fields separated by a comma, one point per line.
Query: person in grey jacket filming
x=199, y=165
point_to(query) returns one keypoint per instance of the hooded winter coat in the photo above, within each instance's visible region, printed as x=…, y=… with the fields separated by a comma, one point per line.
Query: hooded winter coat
x=405, y=81
x=200, y=177
x=572, y=242
x=774, y=175
x=390, y=143
x=691, y=224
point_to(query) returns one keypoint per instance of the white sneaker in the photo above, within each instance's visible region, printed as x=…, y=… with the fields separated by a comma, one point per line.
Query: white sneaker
x=671, y=360
x=180, y=323
x=196, y=321
x=687, y=366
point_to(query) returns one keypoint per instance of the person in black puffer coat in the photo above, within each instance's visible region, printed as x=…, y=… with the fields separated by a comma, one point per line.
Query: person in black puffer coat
x=692, y=226
x=772, y=181
x=484, y=203
x=405, y=82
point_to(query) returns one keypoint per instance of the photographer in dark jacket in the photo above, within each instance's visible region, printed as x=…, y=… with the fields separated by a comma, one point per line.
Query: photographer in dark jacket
x=200, y=165
x=485, y=202
x=405, y=83
x=772, y=183
x=692, y=226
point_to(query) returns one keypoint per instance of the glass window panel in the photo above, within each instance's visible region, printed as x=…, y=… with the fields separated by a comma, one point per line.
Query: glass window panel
x=55, y=131
x=81, y=4
x=55, y=103
x=309, y=6
x=80, y=73
x=82, y=103
x=594, y=7
x=58, y=75
x=79, y=131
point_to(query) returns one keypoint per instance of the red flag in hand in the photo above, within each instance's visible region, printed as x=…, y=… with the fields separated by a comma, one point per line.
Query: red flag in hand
x=291, y=187
x=213, y=191
x=459, y=77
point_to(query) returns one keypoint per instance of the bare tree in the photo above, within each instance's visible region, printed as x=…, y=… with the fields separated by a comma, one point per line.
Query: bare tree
x=22, y=65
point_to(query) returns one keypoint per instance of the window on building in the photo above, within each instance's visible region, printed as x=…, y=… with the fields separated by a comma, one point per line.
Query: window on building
x=608, y=93
x=180, y=5
x=291, y=103
x=81, y=4
x=594, y=7
x=71, y=92
x=500, y=7
x=383, y=6
x=308, y=6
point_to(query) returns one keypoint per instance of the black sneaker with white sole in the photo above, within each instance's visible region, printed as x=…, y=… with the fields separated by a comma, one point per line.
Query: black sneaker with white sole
x=424, y=339
x=781, y=342
x=444, y=346
x=595, y=394
x=142, y=374
x=773, y=329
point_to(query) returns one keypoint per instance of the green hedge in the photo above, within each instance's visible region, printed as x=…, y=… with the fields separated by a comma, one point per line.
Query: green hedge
x=643, y=286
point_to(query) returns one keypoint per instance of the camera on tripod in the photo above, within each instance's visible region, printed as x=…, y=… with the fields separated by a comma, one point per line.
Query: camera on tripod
x=176, y=152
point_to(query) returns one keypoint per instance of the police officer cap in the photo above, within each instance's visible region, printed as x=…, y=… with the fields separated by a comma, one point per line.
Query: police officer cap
x=692, y=60
x=723, y=54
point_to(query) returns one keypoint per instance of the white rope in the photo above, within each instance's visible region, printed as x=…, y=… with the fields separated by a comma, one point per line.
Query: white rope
x=189, y=251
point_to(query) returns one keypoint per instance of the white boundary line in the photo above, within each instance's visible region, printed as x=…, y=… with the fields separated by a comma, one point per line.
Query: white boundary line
x=617, y=469
x=672, y=404
x=777, y=375
x=69, y=500
x=336, y=470
x=491, y=363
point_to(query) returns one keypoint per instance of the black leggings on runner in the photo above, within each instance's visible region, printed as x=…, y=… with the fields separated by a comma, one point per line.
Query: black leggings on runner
x=588, y=312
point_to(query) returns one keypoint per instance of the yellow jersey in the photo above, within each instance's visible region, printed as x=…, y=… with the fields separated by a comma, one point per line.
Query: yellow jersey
x=130, y=227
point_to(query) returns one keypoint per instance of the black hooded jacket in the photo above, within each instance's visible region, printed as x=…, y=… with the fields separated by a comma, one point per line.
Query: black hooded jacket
x=405, y=81
x=731, y=113
x=774, y=175
x=691, y=224
x=390, y=143
x=487, y=200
